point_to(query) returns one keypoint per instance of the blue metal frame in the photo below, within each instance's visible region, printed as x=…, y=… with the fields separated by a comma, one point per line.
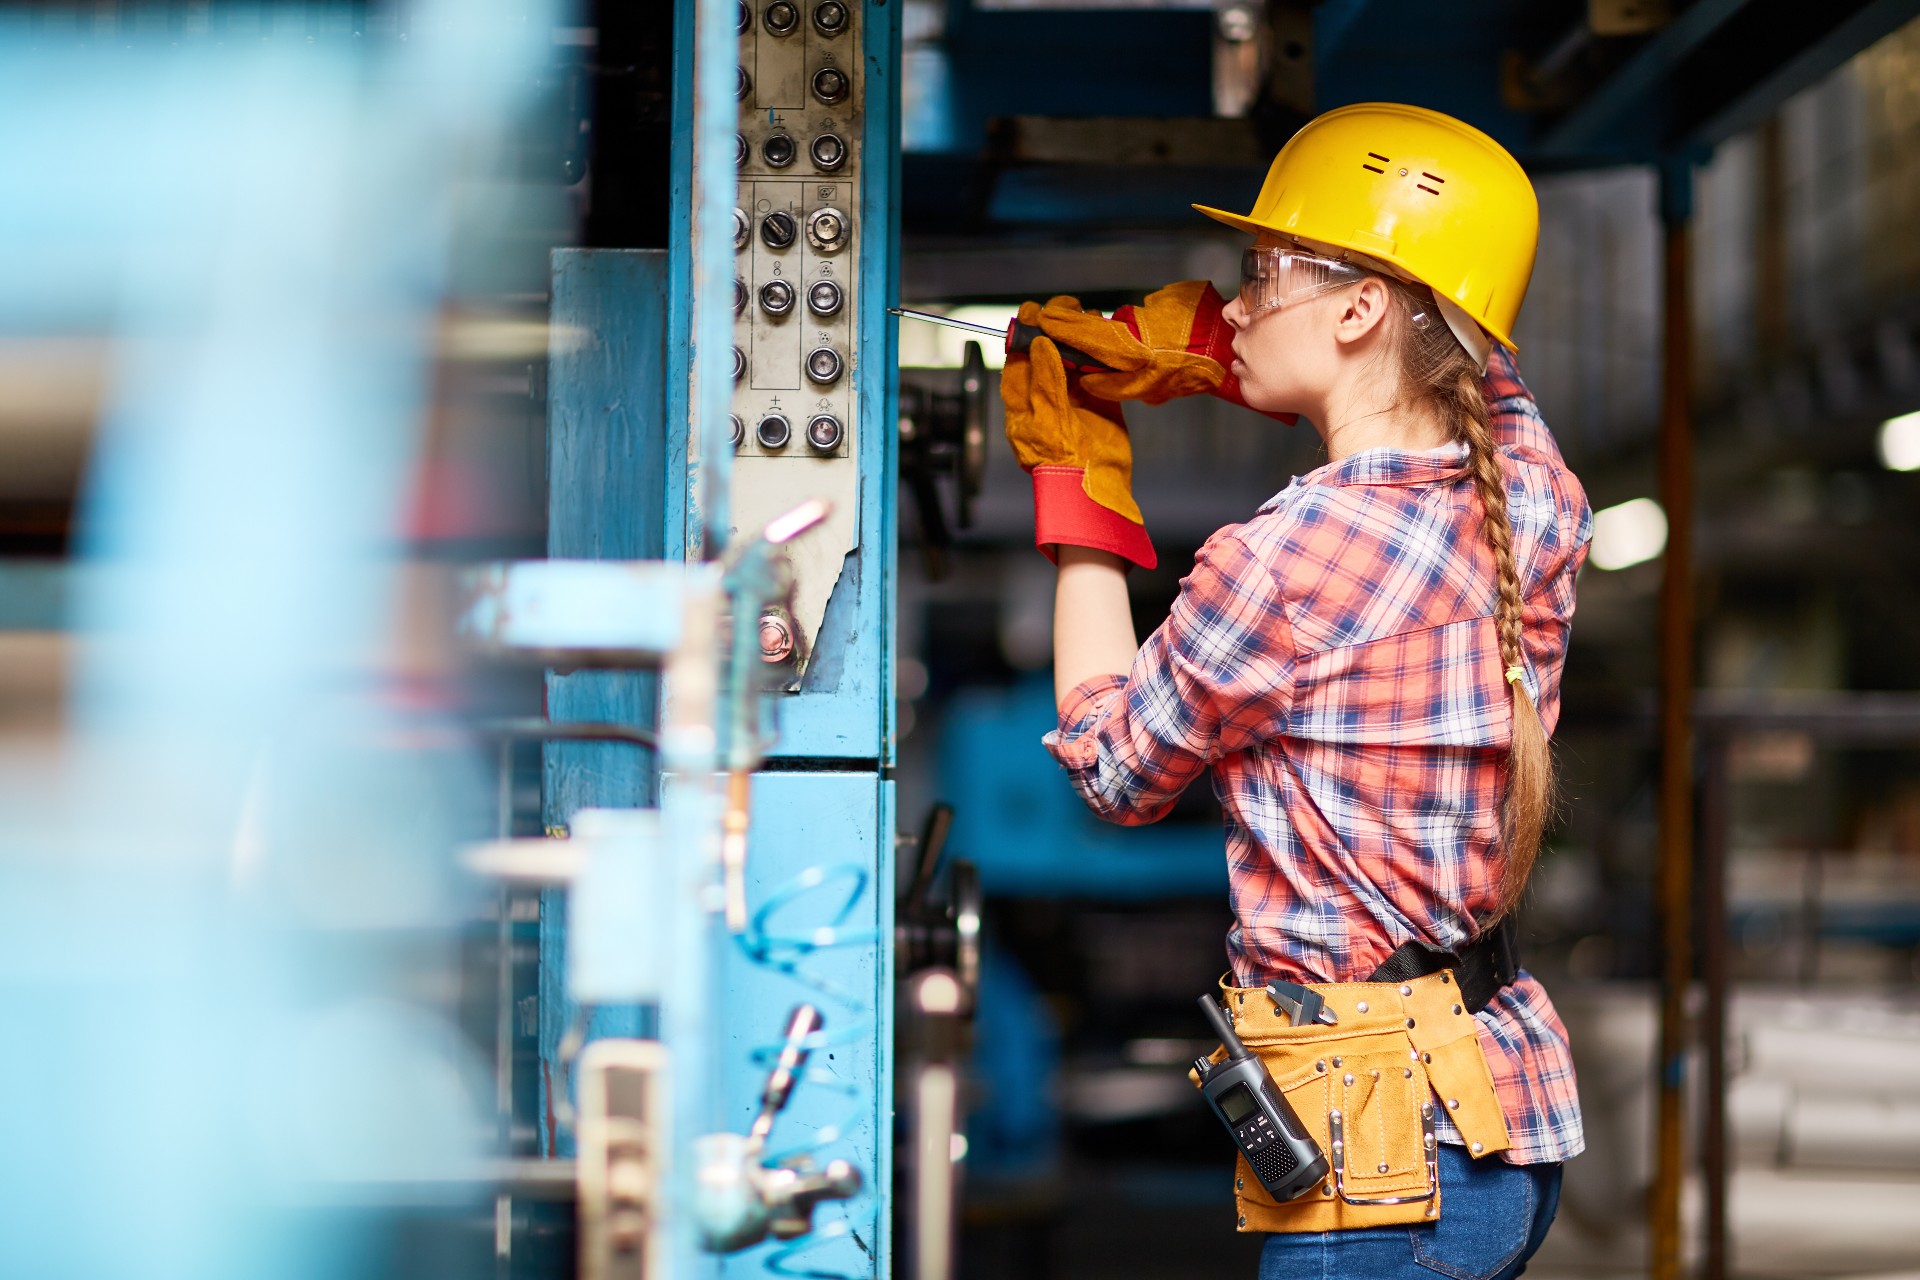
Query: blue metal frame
x=835, y=822
x=844, y=710
x=606, y=465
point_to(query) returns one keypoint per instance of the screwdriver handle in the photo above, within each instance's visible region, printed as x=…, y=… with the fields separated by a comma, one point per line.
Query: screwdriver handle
x=1020, y=336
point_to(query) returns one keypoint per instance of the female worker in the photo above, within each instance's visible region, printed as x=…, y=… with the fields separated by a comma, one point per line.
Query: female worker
x=1368, y=668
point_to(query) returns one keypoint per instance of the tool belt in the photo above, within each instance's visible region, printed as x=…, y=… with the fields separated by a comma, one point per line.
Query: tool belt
x=1369, y=1087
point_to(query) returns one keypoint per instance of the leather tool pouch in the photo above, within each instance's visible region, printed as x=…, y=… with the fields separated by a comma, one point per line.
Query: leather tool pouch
x=1370, y=1090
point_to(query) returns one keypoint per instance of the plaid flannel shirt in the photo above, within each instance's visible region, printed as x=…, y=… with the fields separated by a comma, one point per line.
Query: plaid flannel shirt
x=1333, y=663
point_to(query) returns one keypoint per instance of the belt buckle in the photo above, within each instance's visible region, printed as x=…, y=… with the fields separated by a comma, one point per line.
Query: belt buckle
x=1336, y=1127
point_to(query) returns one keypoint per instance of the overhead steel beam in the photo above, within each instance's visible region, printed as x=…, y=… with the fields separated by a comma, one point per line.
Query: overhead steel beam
x=1869, y=23
x=1645, y=70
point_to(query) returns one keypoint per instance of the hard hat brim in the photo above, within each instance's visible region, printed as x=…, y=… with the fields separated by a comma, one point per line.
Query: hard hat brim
x=1240, y=222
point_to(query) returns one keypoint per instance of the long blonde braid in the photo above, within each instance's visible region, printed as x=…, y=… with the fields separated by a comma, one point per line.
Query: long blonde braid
x=1437, y=372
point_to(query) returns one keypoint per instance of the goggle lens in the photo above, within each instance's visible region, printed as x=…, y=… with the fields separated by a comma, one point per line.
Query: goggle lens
x=1272, y=276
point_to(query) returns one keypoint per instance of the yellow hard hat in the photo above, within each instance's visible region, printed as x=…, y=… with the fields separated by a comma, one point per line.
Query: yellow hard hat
x=1424, y=193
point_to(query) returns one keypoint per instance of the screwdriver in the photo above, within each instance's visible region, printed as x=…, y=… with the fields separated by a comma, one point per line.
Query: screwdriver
x=1017, y=337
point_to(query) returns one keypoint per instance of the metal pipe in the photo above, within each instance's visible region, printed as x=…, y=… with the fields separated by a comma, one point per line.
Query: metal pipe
x=1715, y=831
x=1675, y=875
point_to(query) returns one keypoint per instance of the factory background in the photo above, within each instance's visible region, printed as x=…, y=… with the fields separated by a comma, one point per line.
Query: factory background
x=324, y=327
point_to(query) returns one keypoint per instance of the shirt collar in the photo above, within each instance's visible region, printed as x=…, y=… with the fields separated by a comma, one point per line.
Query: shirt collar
x=1383, y=466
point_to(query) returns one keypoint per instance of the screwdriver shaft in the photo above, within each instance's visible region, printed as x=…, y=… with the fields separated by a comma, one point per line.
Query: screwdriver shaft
x=948, y=321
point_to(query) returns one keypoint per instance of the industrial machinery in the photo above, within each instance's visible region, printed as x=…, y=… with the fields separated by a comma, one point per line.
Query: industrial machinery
x=740, y=501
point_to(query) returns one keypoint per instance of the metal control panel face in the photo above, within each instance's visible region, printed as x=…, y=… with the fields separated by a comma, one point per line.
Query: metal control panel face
x=797, y=226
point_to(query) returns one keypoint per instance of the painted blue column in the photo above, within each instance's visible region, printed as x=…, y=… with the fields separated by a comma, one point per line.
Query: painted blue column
x=606, y=491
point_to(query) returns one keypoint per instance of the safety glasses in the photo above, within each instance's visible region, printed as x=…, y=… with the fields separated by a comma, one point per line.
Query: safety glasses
x=1274, y=275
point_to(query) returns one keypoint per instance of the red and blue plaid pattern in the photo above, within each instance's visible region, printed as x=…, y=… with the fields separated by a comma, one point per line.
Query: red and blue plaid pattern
x=1333, y=663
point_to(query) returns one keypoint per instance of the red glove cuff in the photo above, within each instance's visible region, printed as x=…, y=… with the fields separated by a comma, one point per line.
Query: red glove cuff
x=1064, y=514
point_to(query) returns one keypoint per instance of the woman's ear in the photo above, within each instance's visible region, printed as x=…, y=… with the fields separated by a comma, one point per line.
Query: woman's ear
x=1362, y=310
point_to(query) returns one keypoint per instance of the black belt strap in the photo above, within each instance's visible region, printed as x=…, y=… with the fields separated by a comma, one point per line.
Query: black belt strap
x=1487, y=964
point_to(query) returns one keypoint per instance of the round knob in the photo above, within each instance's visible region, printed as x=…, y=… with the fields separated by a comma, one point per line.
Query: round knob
x=739, y=295
x=739, y=364
x=740, y=150
x=781, y=17
x=743, y=83
x=777, y=229
x=824, y=365
x=824, y=298
x=830, y=85
x=830, y=17
x=828, y=151
x=776, y=638
x=739, y=429
x=776, y=297
x=824, y=432
x=773, y=431
x=742, y=229
x=827, y=230
x=778, y=150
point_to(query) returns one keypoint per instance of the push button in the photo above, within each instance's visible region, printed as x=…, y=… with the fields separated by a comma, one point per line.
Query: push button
x=830, y=85
x=778, y=150
x=824, y=432
x=742, y=229
x=773, y=431
x=739, y=429
x=739, y=364
x=830, y=17
x=743, y=83
x=739, y=295
x=776, y=297
x=829, y=152
x=824, y=366
x=781, y=17
x=824, y=298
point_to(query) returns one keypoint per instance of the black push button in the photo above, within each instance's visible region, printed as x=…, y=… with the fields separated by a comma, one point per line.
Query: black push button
x=773, y=431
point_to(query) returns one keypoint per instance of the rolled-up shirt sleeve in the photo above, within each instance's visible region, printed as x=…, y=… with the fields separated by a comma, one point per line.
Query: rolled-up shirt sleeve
x=1215, y=679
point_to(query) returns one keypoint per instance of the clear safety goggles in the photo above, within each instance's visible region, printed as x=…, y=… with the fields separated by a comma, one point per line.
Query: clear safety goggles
x=1274, y=275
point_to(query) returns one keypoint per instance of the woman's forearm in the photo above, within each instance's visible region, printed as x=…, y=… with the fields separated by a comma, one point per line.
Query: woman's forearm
x=1092, y=619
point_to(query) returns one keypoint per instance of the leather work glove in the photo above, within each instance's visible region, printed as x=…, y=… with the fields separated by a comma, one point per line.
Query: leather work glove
x=1075, y=446
x=1175, y=343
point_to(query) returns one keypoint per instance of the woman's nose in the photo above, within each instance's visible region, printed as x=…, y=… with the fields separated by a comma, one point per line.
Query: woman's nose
x=1233, y=313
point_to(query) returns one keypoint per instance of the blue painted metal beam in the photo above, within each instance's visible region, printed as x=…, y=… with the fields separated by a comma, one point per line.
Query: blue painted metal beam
x=1646, y=71
x=606, y=479
x=1824, y=54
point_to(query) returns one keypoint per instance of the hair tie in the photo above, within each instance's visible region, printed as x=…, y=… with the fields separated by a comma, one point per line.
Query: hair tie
x=1516, y=675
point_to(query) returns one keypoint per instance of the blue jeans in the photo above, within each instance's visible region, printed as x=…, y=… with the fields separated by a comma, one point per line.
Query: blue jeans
x=1493, y=1215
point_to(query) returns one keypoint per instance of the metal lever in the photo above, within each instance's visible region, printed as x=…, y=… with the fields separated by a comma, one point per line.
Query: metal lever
x=801, y=1023
x=738, y=1201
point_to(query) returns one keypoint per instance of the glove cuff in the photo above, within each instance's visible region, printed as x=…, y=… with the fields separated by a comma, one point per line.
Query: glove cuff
x=1064, y=514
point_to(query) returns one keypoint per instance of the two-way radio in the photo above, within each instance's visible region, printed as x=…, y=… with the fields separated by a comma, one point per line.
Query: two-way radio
x=1286, y=1159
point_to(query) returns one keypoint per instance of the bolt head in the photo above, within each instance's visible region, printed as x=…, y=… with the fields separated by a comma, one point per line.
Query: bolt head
x=776, y=638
